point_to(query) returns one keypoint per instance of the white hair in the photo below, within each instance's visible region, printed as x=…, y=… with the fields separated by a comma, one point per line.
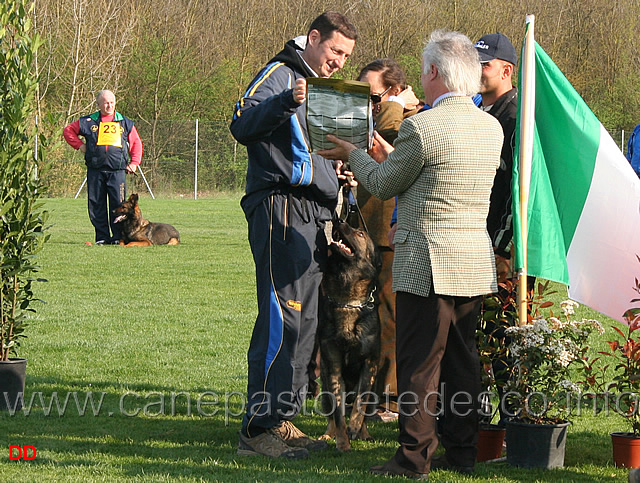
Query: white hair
x=103, y=92
x=456, y=59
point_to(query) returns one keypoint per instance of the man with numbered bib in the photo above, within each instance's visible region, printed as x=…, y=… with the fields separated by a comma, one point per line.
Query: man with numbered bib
x=112, y=148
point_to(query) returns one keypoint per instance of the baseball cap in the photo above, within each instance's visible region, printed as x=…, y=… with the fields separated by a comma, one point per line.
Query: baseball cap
x=496, y=46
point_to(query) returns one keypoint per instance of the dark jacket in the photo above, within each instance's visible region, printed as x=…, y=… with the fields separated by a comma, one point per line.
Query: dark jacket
x=97, y=156
x=499, y=220
x=273, y=127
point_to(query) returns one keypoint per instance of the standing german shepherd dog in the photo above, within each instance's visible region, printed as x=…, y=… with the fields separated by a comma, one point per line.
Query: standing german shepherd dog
x=138, y=232
x=349, y=332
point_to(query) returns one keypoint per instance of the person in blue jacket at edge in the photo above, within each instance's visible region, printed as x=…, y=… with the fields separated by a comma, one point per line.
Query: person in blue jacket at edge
x=633, y=150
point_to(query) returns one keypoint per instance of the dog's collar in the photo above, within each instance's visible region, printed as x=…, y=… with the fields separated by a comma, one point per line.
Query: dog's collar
x=367, y=304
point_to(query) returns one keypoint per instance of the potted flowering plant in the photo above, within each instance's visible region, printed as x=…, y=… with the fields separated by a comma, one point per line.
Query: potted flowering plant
x=539, y=390
x=544, y=353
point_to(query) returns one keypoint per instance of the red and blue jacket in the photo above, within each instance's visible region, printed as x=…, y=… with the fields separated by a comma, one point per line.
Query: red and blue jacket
x=112, y=141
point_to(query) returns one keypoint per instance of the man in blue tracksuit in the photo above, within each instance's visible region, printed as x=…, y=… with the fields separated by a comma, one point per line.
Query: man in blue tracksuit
x=290, y=194
x=633, y=150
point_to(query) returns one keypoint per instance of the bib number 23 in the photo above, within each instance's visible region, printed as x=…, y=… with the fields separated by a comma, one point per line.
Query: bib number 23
x=110, y=134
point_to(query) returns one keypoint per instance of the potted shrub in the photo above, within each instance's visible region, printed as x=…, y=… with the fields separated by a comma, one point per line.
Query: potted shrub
x=622, y=392
x=539, y=389
x=498, y=312
x=22, y=217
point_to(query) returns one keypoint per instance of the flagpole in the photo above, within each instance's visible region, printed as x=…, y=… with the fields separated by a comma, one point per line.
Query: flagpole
x=527, y=110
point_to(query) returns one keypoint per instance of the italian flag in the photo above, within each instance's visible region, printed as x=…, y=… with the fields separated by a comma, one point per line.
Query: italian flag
x=583, y=198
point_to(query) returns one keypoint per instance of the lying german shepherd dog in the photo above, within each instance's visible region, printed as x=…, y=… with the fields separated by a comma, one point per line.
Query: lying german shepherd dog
x=138, y=232
x=349, y=332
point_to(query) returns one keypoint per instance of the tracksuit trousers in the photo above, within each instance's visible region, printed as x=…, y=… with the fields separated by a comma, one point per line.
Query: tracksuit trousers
x=106, y=190
x=289, y=250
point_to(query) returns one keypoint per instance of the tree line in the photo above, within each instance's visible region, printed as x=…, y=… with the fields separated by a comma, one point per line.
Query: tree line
x=188, y=59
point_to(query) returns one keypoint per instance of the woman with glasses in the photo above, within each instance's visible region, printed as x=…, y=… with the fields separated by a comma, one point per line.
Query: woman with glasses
x=392, y=101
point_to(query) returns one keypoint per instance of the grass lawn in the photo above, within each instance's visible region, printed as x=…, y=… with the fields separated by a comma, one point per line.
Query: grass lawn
x=137, y=366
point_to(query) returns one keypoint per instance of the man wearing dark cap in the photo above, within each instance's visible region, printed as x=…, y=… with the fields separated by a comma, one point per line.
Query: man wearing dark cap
x=500, y=99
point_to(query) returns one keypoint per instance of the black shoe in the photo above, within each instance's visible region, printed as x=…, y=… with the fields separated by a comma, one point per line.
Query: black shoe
x=441, y=463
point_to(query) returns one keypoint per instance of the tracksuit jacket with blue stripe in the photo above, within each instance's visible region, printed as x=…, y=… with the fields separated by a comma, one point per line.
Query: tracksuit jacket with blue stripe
x=273, y=127
x=290, y=193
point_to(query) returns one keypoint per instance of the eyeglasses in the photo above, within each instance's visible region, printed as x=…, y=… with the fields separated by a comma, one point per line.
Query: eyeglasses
x=376, y=98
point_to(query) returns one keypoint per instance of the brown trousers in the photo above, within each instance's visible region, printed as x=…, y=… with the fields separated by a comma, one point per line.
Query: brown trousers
x=385, y=385
x=437, y=359
x=377, y=215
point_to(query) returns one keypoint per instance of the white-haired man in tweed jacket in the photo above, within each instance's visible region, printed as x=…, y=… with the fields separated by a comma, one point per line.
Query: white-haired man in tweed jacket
x=441, y=167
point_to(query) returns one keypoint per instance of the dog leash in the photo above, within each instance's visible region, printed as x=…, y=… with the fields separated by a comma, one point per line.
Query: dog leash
x=346, y=192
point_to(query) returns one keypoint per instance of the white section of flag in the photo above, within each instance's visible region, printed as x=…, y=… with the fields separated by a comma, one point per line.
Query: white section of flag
x=602, y=259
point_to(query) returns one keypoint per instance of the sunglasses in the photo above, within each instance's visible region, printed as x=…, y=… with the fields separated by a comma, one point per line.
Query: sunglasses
x=376, y=98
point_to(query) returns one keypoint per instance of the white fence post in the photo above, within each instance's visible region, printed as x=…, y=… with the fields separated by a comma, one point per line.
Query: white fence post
x=195, y=181
x=35, y=149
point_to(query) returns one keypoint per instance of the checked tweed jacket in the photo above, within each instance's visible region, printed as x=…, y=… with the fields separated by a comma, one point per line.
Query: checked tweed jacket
x=442, y=170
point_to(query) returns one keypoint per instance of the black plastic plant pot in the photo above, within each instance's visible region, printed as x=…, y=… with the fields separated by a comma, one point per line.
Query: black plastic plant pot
x=12, y=378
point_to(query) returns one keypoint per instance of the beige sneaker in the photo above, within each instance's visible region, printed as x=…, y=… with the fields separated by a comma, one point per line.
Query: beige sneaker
x=295, y=438
x=269, y=444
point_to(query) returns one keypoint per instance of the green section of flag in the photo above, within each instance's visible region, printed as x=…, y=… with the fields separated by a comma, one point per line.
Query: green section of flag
x=566, y=139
